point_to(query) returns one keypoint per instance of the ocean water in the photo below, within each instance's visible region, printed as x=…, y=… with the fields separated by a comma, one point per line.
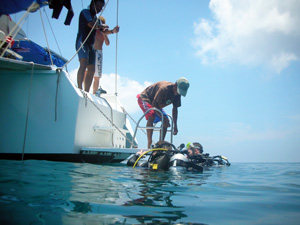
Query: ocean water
x=44, y=192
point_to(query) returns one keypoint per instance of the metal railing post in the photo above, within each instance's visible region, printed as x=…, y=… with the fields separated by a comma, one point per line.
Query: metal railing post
x=172, y=124
x=154, y=128
x=112, y=119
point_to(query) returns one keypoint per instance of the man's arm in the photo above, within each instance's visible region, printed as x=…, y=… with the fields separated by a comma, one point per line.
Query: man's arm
x=107, y=42
x=97, y=27
x=175, y=115
x=113, y=31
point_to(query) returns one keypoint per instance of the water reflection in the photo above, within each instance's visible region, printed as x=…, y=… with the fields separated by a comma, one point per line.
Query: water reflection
x=66, y=193
x=157, y=191
x=131, y=195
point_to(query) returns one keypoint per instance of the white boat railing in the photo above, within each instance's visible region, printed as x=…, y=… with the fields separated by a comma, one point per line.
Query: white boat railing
x=154, y=128
x=112, y=118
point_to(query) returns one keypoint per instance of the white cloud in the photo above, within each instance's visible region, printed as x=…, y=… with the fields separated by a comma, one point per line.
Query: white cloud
x=250, y=32
x=127, y=89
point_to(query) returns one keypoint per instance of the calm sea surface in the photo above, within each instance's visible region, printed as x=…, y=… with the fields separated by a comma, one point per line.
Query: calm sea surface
x=44, y=192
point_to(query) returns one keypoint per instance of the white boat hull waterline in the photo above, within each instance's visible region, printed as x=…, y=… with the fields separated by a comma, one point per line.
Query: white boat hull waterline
x=45, y=116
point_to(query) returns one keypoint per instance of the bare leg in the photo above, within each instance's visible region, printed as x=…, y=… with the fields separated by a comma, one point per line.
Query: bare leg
x=81, y=71
x=150, y=131
x=164, y=133
x=96, y=84
x=165, y=127
x=89, y=77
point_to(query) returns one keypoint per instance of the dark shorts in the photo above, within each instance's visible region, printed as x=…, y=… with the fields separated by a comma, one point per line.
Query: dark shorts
x=86, y=52
x=145, y=106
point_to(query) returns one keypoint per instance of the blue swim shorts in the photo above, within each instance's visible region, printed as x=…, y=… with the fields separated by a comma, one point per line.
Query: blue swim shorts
x=86, y=52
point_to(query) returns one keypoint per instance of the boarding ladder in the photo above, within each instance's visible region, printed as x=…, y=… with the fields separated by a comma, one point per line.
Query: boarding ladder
x=154, y=128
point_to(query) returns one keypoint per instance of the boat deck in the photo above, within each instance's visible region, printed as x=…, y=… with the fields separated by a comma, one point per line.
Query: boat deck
x=106, y=155
x=16, y=65
x=97, y=150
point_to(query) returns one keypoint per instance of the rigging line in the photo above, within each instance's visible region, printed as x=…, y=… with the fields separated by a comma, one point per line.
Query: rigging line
x=18, y=27
x=27, y=114
x=46, y=36
x=53, y=33
x=85, y=95
x=54, y=36
x=27, y=20
x=86, y=37
x=116, y=64
x=131, y=118
x=13, y=37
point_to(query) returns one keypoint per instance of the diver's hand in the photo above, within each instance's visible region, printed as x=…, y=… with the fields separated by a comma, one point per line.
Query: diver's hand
x=140, y=152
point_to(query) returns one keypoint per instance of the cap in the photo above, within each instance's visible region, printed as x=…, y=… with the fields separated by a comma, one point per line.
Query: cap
x=182, y=86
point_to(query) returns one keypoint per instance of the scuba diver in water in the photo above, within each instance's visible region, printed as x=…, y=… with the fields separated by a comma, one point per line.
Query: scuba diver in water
x=191, y=158
x=158, y=159
x=166, y=156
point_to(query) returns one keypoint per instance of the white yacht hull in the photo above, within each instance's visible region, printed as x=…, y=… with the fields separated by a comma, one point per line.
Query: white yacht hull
x=44, y=116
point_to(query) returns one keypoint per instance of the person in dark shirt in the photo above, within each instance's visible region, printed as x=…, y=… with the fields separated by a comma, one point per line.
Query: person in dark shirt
x=86, y=54
x=160, y=95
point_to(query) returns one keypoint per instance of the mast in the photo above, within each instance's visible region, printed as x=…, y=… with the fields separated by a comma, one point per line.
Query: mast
x=116, y=64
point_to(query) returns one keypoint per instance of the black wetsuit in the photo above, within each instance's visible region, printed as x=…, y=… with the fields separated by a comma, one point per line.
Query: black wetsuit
x=158, y=161
x=162, y=160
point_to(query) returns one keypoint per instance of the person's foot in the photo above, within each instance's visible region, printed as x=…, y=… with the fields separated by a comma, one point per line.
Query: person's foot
x=100, y=91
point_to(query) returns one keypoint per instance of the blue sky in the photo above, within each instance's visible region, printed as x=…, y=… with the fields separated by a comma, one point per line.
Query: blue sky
x=241, y=58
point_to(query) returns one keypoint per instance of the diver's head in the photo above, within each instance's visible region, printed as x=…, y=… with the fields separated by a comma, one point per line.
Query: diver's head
x=198, y=146
x=194, y=148
x=163, y=144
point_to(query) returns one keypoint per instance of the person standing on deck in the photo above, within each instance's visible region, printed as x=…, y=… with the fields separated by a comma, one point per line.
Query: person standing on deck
x=86, y=54
x=160, y=95
x=101, y=37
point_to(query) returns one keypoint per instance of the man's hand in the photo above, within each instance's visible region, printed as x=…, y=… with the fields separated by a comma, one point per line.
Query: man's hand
x=116, y=29
x=175, y=131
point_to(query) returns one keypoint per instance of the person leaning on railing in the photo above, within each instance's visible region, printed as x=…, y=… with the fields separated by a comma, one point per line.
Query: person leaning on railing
x=160, y=95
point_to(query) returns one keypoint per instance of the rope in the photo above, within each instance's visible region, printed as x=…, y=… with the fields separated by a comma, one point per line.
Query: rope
x=14, y=28
x=85, y=38
x=116, y=65
x=54, y=35
x=93, y=103
x=46, y=37
x=131, y=118
x=27, y=115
